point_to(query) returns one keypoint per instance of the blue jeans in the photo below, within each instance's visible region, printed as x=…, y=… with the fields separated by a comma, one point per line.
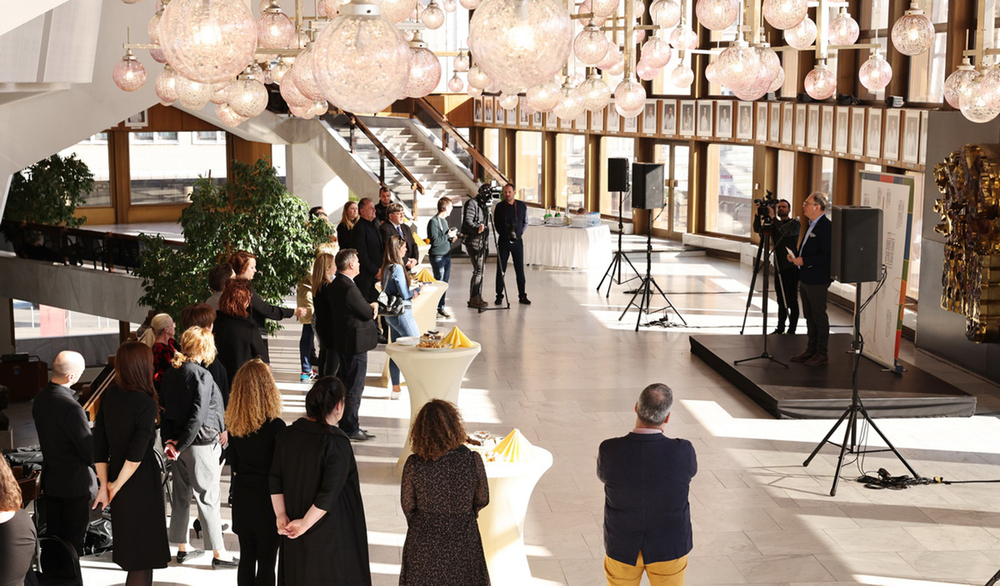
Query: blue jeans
x=441, y=265
x=306, y=348
x=401, y=326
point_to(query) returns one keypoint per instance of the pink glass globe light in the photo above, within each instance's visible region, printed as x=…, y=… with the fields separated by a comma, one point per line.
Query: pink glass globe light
x=638, y=8
x=717, y=15
x=319, y=108
x=638, y=37
x=596, y=93
x=584, y=8
x=166, y=86
x=449, y=5
x=820, y=83
x=469, y=4
x=738, y=65
x=683, y=38
x=128, y=74
x=332, y=8
x=396, y=11
x=802, y=35
x=425, y=70
x=613, y=56
x=521, y=43
x=778, y=81
x=303, y=73
x=455, y=84
x=913, y=33
x=667, y=14
x=758, y=86
x=157, y=54
x=618, y=68
x=360, y=61
x=493, y=88
x=192, y=94
x=570, y=105
x=768, y=59
x=507, y=101
x=990, y=85
x=474, y=92
x=630, y=98
x=604, y=8
x=291, y=94
x=153, y=28
x=432, y=16
x=543, y=97
x=274, y=29
x=221, y=95
x=279, y=69
x=478, y=78
x=247, y=96
x=712, y=73
x=590, y=45
x=656, y=53
x=208, y=40
x=227, y=116
x=682, y=76
x=975, y=104
x=844, y=30
x=784, y=14
x=461, y=62
x=644, y=72
x=304, y=112
x=876, y=73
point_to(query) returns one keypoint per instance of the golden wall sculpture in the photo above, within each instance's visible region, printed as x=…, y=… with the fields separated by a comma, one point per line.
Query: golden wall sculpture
x=969, y=182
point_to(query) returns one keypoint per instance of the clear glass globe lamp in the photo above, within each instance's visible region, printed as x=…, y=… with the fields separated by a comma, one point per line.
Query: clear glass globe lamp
x=228, y=116
x=425, y=70
x=455, y=84
x=738, y=65
x=543, y=97
x=274, y=29
x=717, y=15
x=683, y=38
x=667, y=14
x=975, y=104
x=682, y=76
x=656, y=52
x=279, y=69
x=630, y=98
x=166, y=86
x=604, y=8
x=590, y=46
x=360, y=61
x=507, y=101
x=461, y=62
x=596, y=93
x=644, y=72
x=128, y=74
x=821, y=82
x=784, y=14
x=396, y=11
x=247, y=96
x=432, y=16
x=844, y=30
x=570, y=105
x=449, y=5
x=319, y=108
x=208, y=40
x=913, y=33
x=521, y=43
x=192, y=94
x=478, y=78
x=876, y=73
x=802, y=35
x=990, y=85
x=584, y=8
x=469, y=4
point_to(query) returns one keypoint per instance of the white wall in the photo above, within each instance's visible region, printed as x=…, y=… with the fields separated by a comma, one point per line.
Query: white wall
x=309, y=178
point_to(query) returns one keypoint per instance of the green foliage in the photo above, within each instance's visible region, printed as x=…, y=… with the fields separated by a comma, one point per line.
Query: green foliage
x=252, y=212
x=49, y=191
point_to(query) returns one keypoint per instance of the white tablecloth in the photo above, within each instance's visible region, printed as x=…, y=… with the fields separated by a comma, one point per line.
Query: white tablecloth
x=579, y=248
x=430, y=374
x=424, y=313
x=501, y=523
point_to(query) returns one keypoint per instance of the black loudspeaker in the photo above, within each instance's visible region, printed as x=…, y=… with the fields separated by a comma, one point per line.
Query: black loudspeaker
x=857, y=244
x=647, y=186
x=618, y=175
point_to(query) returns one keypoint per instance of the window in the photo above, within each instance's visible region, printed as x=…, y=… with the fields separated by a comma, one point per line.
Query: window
x=916, y=241
x=785, y=189
x=164, y=173
x=491, y=145
x=674, y=217
x=209, y=136
x=826, y=177
x=615, y=147
x=729, y=189
x=94, y=153
x=570, y=173
x=166, y=137
x=528, y=167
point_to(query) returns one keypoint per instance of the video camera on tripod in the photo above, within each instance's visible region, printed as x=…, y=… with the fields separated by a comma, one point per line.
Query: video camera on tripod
x=488, y=192
x=766, y=212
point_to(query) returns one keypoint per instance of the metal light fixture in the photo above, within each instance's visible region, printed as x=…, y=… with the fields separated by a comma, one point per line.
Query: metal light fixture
x=128, y=74
x=913, y=33
x=425, y=69
x=876, y=73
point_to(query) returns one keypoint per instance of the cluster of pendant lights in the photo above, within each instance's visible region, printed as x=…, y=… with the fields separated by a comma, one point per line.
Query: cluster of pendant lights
x=215, y=51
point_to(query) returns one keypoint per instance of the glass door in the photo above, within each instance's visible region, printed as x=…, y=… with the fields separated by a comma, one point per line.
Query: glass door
x=674, y=217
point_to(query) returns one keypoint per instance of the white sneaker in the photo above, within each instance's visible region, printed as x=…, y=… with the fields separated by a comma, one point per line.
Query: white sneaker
x=394, y=395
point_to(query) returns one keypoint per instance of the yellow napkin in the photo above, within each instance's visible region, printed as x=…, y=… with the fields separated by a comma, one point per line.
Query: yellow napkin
x=424, y=276
x=457, y=339
x=514, y=447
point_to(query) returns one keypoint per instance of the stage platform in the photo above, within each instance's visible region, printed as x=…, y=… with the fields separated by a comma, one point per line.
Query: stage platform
x=823, y=392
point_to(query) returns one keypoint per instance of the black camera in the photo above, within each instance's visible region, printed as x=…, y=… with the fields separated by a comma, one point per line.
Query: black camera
x=488, y=192
x=768, y=201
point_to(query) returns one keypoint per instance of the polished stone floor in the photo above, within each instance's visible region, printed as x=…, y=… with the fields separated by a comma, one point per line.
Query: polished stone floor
x=566, y=373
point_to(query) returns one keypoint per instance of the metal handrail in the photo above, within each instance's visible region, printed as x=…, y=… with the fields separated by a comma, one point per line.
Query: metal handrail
x=384, y=153
x=447, y=127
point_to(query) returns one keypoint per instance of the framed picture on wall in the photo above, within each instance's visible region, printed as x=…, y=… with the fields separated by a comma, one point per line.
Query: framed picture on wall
x=630, y=125
x=687, y=118
x=477, y=109
x=581, y=122
x=760, y=134
x=649, y=125
x=613, y=120
x=551, y=120
x=511, y=116
x=890, y=141
x=488, y=109
x=787, y=115
x=724, y=119
x=922, y=154
x=826, y=128
x=499, y=114
x=744, y=120
x=842, y=123
x=565, y=124
x=138, y=120
x=774, y=129
x=668, y=118
x=597, y=120
x=523, y=119
x=800, y=125
x=911, y=137
x=705, y=118
x=873, y=144
x=857, y=146
x=537, y=120
x=812, y=127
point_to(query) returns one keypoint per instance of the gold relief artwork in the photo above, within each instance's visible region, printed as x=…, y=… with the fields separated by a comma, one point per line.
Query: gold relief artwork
x=969, y=182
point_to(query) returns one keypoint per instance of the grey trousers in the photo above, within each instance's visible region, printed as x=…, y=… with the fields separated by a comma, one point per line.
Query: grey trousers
x=197, y=471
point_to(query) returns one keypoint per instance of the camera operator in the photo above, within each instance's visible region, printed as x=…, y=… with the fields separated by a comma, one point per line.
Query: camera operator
x=475, y=227
x=784, y=235
x=510, y=218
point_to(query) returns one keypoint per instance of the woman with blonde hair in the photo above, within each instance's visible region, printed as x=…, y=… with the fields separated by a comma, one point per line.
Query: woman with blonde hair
x=324, y=269
x=396, y=280
x=304, y=299
x=160, y=337
x=193, y=431
x=253, y=420
x=347, y=222
x=443, y=489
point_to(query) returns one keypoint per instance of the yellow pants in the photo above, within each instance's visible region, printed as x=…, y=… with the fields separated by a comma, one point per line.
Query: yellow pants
x=669, y=573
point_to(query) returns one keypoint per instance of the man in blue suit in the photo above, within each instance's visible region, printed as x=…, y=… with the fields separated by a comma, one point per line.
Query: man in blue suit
x=813, y=261
x=647, y=517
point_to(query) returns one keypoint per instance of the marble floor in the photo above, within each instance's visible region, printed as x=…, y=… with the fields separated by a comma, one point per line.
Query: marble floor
x=566, y=373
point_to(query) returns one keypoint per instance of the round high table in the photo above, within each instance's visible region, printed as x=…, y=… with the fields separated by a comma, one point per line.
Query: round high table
x=501, y=523
x=430, y=374
x=424, y=312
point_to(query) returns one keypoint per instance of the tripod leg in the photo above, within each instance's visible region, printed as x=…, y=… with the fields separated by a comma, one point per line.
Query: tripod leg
x=827, y=437
x=851, y=422
x=616, y=261
x=669, y=304
x=753, y=283
x=864, y=413
x=644, y=303
x=631, y=302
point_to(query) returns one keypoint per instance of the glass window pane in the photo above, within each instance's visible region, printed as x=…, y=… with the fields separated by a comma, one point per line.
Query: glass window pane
x=729, y=189
x=570, y=152
x=615, y=147
x=528, y=167
x=491, y=145
x=165, y=173
x=94, y=152
x=913, y=279
x=927, y=72
x=680, y=170
x=826, y=176
x=785, y=189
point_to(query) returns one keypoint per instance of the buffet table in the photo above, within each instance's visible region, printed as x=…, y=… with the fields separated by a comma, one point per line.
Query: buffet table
x=570, y=248
x=430, y=374
x=501, y=523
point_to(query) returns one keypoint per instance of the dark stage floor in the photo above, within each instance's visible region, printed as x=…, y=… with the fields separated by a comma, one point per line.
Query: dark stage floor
x=823, y=392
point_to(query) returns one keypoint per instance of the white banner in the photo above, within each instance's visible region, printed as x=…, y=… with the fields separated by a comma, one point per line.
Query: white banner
x=882, y=320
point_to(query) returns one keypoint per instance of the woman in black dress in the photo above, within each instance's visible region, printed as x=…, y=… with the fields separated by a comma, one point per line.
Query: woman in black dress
x=124, y=431
x=444, y=488
x=253, y=419
x=317, y=496
x=324, y=269
x=237, y=337
x=17, y=532
x=346, y=225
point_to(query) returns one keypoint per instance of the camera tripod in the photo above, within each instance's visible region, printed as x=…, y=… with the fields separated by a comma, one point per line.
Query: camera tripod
x=645, y=289
x=616, y=262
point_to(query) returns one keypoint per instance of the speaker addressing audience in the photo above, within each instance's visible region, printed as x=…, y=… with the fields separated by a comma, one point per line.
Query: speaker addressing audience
x=17, y=531
x=813, y=262
x=510, y=218
x=647, y=476
x=784, y=235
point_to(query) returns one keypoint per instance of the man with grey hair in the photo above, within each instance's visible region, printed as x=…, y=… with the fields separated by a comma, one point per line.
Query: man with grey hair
x=69, y=483
x=647, y=517
x=813, y=261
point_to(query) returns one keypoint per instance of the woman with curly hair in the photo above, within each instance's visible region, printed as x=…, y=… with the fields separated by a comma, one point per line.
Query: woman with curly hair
x=17, y=532
x=443, y=489
x=253, y=419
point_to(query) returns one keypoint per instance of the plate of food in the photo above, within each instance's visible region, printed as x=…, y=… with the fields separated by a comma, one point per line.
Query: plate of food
x=408, y=341
x=433, y=340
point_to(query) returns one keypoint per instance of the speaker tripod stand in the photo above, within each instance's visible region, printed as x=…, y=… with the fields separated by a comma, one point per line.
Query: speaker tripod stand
x=616, y=262
x=645, y=294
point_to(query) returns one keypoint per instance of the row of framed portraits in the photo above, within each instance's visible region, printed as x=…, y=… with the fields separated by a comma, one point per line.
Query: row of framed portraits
x=895, y=137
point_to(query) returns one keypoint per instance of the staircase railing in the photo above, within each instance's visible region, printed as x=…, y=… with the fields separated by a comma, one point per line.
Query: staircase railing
x=448, y=131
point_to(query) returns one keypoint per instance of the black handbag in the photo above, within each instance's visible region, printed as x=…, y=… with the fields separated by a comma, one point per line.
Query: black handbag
x=390, y=305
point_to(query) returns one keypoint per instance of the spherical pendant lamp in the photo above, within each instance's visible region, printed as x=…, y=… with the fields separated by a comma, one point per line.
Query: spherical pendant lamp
x=630, y=98
x=279, y=69
x=656, y=52
x=667, y=14
x=455, y=84
x=876, y=73
x=227, y=116
x=461, y=63
x=396, y=11
x=303, y=73
x=584, y=8
x=717, y=15
x=784, y=14
x=596, y=93
x=128, y=74
x=975, y=103
x=192, y=94
x=738, y=65
x=469, y=4
x=166, y=86
x=432, y=16
x=844, y=30
x=644, y=72
x=570, y=105
x=778, y=81
x=221, y=93
x=543, y=97
x=802, y=35
x=247, y=96
x=478, y=78
x=712, y=72
x=474, y=92
x=682, y=76
x=683, y=38
x=913, y=33
x=604, y=8
x=507, y=101
x=208, y=40
x=590, y=45
x=319, y=108
x=449, y=5
x=274, y=29
x=821, y=82
x=425, y=69
x=291, y=94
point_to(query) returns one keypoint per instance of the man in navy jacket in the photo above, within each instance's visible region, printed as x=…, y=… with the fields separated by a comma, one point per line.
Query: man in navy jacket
x=647, y=517
x=813, y=260
x=510, y=218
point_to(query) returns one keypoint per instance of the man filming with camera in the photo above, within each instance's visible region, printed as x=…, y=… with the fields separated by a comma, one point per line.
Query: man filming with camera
x=784, y=233
x=510, y=218
x=475, y=228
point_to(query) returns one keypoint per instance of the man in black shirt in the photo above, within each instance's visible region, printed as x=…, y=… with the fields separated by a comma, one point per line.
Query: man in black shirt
x=382, y=207
x=475, y=227
x=368, y=241
x=510, y=218
x=784, y=237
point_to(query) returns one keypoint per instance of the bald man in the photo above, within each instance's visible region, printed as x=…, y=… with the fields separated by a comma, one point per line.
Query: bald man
x=69, y=484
